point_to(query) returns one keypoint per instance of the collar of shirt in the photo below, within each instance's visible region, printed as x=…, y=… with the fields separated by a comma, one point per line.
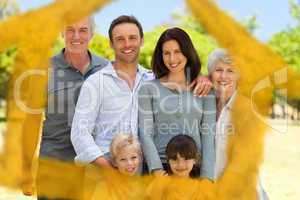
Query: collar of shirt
x=230, y=102
x=61, y=62
x=224, y=115
x=110, y=70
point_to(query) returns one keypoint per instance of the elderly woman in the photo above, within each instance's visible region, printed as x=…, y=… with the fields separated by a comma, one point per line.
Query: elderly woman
x=224, y=77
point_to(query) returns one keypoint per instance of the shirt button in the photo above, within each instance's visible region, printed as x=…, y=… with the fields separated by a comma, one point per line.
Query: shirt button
x=178, y=114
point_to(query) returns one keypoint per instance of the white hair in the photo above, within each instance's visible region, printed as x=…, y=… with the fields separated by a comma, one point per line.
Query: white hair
x=93, y=23
x=215, y=56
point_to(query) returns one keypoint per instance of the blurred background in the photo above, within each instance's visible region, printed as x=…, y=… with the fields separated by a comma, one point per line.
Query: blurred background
x=275, y=23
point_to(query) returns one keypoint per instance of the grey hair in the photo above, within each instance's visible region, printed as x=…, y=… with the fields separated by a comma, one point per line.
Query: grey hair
x=93, y=23
x=218, y=55
x=91, y=19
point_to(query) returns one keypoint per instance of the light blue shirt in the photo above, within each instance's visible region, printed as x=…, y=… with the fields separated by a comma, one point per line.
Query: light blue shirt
x=106, y=106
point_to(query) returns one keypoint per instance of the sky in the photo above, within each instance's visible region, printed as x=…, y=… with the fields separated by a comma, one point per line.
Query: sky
x=272, y=16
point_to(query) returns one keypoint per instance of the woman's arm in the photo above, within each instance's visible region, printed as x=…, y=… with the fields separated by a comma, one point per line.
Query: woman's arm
x=207, y=130
x=146, y=127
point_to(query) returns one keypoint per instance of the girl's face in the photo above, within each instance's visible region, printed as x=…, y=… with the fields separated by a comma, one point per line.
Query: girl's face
x=181, y=167
x=128, y=160
x=173, y=58
x=224, y=78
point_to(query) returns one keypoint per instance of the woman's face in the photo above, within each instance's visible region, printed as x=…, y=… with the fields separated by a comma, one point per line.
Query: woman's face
x=181, y=167
x=173, y=58
x=224, y=78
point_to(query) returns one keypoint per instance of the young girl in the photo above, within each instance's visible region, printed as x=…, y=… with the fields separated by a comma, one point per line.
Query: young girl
x=183, y=162
x=183, y=156
x=126, y=153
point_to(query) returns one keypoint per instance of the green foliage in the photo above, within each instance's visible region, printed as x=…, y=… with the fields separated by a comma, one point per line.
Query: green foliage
x=287, y=42
x=250, y=23
x=295, y=10
x=100, y=46
x=58, y=45
x=187, y=21
x=150, y=39
x=7, y=8
x=204, y=45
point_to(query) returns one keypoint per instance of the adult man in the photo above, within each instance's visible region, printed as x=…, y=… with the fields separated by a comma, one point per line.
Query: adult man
x=108, y=102
x=69, y=69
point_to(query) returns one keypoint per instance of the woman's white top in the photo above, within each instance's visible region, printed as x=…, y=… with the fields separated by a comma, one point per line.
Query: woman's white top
x=223, y=127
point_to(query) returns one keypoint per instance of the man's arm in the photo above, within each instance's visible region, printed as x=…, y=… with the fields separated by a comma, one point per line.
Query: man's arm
x=84, y=121
x=102, y=162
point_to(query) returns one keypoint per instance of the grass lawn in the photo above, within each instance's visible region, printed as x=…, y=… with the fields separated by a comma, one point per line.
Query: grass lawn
x=12, y=195
x=280, y=172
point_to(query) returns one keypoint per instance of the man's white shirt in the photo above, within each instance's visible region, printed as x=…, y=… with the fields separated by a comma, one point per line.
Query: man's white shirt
x=106, y=106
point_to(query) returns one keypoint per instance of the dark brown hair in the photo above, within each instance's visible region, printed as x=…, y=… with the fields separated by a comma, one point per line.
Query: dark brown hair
x=193, y=65
x=125, y=19
x=185, y=146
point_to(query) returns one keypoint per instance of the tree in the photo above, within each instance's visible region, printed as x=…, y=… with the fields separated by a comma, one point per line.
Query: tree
x=287, y=42
x=295, y=10
x=250, y=23
x=7, y=8
x=100, y=46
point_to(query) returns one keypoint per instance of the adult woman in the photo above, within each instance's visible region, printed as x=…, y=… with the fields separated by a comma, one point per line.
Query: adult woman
x=167, y=107
x=224, y=77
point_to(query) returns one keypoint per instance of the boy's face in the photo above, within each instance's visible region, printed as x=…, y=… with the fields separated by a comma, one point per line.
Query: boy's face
x=181, y=167
x=128, y=160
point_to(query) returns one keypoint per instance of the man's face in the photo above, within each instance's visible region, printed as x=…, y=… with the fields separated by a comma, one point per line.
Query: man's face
x=78, y=36
x=126, y=43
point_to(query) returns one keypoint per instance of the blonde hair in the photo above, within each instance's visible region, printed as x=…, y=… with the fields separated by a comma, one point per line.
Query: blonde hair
x=121, y=141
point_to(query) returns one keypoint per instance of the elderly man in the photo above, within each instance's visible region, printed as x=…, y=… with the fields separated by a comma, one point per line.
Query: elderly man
x=69, y=70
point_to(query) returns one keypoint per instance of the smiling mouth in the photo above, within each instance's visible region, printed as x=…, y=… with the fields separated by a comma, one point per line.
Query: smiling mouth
x=174, y=65
x=128, y=51
x=130, y=170
x=223, y=83
x=76, y=43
